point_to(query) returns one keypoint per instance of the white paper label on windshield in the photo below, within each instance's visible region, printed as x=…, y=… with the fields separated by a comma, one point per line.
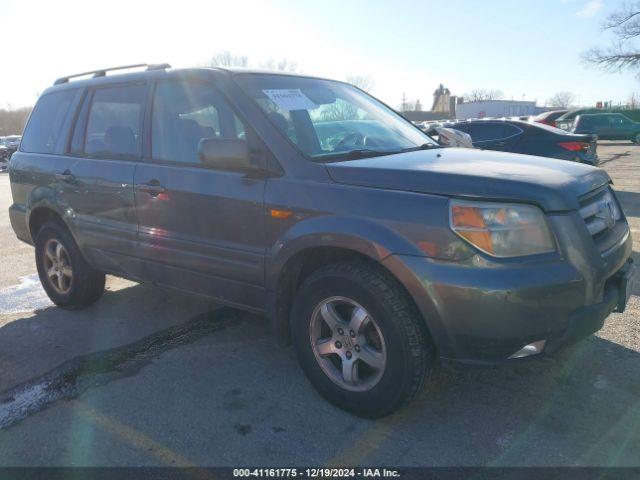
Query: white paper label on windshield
x=290, y=99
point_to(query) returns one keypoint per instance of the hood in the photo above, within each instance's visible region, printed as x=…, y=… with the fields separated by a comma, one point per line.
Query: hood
x=554, y=185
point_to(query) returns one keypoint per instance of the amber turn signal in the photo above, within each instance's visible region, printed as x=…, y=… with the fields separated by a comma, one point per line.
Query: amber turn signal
x=281, y=213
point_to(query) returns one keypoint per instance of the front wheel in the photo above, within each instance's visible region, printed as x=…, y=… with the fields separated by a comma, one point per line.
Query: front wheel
x=66, y=276
x=359, y=338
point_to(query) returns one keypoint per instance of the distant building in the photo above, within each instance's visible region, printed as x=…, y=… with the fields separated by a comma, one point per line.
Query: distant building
x=496, y=108
x=443, y=101
x=423, y=116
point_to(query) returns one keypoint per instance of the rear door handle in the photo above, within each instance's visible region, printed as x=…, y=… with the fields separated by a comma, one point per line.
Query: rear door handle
x=152, y=189
x=67, y=176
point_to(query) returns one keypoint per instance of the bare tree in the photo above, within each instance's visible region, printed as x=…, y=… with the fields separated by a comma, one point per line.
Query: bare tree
x=482, y=94
x=363, y=82
x=340, y=110
x=343, y=110
x=227, y=59
x=622, y=54
x=562, y=100
x=282, y=65
x=12, y=120
x=634, y=101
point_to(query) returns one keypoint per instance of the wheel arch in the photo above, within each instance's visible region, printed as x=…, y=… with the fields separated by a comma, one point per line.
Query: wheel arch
x=305, y=254
x=43, y=212
x=41, y=205
x=40, y=215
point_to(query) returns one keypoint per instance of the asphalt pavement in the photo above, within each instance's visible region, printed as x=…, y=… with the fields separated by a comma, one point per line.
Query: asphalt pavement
x=146, y=377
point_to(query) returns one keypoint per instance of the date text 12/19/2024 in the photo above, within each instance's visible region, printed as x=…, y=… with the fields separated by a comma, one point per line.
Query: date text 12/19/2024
x=315, y=472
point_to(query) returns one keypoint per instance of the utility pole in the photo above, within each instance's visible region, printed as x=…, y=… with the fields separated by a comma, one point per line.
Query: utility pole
x=404, y=106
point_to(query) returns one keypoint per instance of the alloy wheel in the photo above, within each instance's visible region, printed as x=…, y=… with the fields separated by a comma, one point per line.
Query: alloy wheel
x=57, y=266
x=347, y=343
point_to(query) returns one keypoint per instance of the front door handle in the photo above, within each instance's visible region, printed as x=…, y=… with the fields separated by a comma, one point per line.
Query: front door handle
x=152, y=188
x=67, y=176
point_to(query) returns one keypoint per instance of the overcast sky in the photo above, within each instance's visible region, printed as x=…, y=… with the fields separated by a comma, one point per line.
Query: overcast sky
x=527, y=48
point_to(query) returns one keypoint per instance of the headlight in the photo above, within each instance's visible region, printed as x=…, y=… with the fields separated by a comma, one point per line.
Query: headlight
x=501, y=230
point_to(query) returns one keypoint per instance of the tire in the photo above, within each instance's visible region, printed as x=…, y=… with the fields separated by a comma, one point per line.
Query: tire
x=83, y=287
x=636, y=139
x=394, y=335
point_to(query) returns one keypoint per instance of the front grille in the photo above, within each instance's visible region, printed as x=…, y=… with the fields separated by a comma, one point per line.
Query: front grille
x=600, y=212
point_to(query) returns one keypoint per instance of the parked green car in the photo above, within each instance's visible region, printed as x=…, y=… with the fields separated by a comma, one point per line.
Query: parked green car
x=608, y=126
x=566, y=121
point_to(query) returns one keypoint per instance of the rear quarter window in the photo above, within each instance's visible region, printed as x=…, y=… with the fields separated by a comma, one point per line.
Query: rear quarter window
x=45, y=128
x=485, y=132
x=510, y=130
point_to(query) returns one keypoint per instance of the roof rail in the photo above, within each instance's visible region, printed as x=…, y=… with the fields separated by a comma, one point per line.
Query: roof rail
x=158, y=66
x=103, y=71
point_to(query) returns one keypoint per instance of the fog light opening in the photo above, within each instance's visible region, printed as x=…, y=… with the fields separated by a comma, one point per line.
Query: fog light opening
x=532, y=349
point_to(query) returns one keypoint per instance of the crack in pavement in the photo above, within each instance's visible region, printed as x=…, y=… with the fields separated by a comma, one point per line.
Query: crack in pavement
x=76, y=376
x=616, y=156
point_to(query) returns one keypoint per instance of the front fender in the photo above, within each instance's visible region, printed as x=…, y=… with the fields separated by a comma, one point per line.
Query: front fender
x=360, y=235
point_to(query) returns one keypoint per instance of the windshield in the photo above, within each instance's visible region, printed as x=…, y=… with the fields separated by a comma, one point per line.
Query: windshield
x=327, y=119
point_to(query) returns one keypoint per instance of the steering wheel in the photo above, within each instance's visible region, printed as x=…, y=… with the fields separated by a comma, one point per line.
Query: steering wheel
x=355, y=139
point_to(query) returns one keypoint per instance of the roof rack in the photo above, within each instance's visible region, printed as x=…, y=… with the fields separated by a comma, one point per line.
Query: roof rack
x=103, y=71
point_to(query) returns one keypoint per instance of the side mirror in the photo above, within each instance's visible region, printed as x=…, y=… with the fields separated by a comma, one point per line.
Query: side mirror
x=225, y=154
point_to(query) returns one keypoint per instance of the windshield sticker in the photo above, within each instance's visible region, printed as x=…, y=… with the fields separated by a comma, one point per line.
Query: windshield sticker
x=290, y=99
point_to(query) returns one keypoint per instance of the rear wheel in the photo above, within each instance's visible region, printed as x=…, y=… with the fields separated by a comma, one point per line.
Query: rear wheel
x=359, y=338
x=66, y=276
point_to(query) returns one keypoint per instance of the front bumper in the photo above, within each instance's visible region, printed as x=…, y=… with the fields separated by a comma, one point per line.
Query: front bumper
x=484, y=312
x=587, y=320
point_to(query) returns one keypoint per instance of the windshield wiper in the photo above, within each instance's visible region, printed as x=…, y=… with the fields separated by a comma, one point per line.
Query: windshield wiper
x=424, y=146
x=366, y=152
x=358, y=153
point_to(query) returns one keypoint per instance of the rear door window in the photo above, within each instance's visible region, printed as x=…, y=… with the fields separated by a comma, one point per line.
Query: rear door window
x=45, y=129
x=114, y=125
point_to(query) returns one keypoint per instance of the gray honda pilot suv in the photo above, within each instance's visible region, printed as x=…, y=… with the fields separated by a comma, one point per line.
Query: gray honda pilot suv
x=366, y=245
